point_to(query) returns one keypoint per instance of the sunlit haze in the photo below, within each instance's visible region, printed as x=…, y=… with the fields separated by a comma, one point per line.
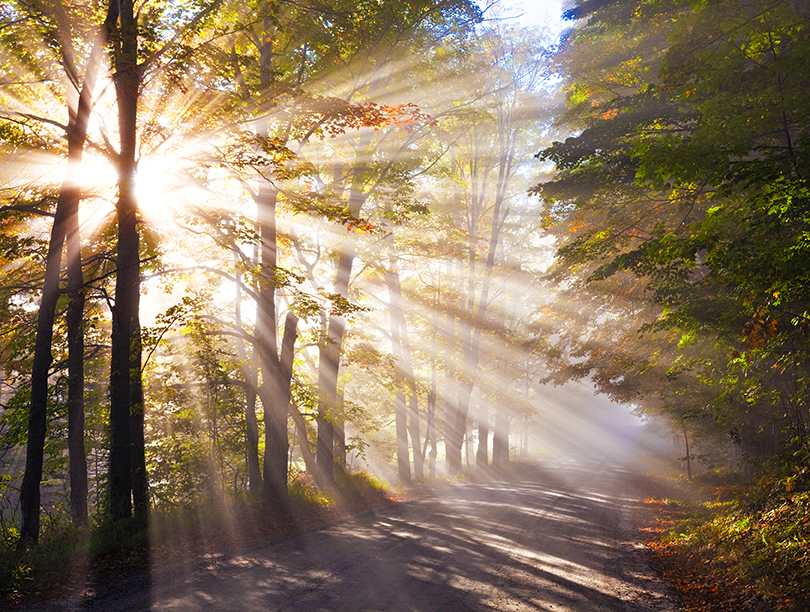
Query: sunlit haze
x=301, y=267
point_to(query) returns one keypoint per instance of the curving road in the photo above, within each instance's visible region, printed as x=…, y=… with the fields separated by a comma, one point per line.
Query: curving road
x=556, y=537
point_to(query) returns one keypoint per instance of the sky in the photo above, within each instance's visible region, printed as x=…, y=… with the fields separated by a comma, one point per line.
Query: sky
x=533, y=12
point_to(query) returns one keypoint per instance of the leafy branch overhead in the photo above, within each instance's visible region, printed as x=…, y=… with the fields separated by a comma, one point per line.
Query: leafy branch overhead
x=687, y=185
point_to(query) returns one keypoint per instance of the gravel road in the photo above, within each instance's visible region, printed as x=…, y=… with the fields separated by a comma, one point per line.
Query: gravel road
x=555, y=537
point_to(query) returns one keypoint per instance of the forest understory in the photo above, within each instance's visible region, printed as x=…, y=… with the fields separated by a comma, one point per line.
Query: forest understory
x=90, y=564
x=730, y=544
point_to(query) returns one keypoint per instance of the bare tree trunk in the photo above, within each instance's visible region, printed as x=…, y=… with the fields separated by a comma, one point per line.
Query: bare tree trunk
x=482, y=454
x=456, y=408
x=328, y=367
x=65, y=223
x=76, y=300
x=688, y=455
x=277, y=407
x=75, y=325
x=137, y=413
x=339, y=432
x=303, y=439
x=457, y=419
x=407, y=408
x=332, y=346
x=37, y=415
x=400, y=419
x=276, y=369
x=430, y=434
x=406, y=364
x=500, y=439
x=126, y=414
x=250, y=374
x=430, y=426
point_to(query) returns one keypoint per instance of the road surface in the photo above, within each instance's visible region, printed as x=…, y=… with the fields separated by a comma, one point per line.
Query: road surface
x=556, y=537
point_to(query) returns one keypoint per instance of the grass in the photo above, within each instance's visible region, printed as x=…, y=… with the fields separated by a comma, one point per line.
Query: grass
x=740, y=547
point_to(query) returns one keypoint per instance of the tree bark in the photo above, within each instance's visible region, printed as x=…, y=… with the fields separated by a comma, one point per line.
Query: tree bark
x=328, y=366
x=250, y=374
x=688, y=456
x=339, y=432
x=482, y=453
x=430, y=427
x=137, y=413
x=66, y=224
x=332, y=346
x=500, y=439
x=277, y=407
x=75, y=327
x=125, y=367
x=408, y=402
x=37, y=415
x=303, y=439
x=406, y=363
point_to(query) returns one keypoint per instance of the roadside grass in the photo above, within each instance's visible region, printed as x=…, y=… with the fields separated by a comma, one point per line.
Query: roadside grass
x=42, y=565
x=69, y=562
x=740, y=546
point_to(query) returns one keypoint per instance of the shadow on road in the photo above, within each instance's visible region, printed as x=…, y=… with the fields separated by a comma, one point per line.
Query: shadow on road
x=547, y=538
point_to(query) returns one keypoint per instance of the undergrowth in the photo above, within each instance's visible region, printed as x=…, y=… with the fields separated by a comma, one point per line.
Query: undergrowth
x=67, y=559
x=745, y=548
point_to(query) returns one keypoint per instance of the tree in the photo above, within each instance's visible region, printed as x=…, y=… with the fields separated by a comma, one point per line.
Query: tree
x=687, y=171
x=494, y=150
x=57, y=21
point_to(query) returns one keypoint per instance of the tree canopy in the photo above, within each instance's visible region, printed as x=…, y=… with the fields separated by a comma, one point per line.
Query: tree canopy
x=682, y=197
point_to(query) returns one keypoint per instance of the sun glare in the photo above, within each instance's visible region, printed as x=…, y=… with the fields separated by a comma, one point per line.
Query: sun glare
x=155, y=190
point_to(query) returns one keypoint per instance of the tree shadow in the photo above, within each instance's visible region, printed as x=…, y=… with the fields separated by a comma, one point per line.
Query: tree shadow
x=542, y=540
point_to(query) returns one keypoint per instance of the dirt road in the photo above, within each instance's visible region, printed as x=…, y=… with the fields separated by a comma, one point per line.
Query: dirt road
x=555, y=537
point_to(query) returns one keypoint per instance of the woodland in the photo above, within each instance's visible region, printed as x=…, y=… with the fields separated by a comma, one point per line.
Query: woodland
x=256, y=248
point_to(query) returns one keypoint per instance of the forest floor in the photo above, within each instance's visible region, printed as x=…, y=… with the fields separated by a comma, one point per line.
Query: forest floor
x=554, y=536
x=108, y=561
x=728, y=544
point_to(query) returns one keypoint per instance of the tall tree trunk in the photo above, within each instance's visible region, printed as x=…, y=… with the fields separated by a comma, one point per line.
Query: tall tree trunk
x=400, y=408
x=126, y=405
x=430, y=434
x=409, y=403
x=328, y=367
x=688, y=455
x=274, y=392
x=75, y=325
x=65, y=224
x=457, y=417
x=332, y=346
x=250, y=374
x=277, y=407
x=303, y=439
x=482, y=454
x=137, y=413
x=500, y=440
x=339, y=431
x=76, y=299
x=430, y=427
x=401, y=423
x=37, y=415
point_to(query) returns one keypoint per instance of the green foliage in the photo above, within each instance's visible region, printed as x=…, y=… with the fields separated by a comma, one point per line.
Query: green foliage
x=195, y=447
x=688, y=181
x=41, y=565
x=760, y=539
